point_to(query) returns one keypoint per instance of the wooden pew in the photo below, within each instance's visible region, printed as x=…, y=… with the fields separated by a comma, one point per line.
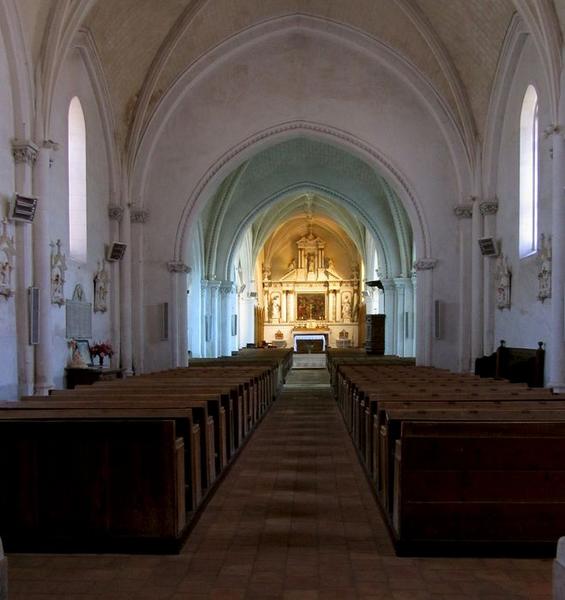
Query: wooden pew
x=480, y=487
x=100, y=484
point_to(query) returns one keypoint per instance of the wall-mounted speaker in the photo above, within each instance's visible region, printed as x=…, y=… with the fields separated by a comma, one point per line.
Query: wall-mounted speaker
x=164, y=314
x=115, y=251
x=33, y=309
x=22, y=208
x=438, y=314
x=488, y=246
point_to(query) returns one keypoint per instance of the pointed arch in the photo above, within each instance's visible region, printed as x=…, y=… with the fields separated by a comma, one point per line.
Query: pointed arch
x=77, y=181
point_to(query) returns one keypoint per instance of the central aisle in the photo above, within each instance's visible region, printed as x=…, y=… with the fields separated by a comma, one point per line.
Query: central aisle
x=295, y=513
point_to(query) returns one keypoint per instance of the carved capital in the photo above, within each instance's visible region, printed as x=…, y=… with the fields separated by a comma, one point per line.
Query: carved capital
x=425, y=264
x=25, y=152
x=139, y=216
x=552, y=130
x=177, y=266
x=488, y=208
x=463, y=211
x=227, y=288
x=50, y=145
x=115, y=213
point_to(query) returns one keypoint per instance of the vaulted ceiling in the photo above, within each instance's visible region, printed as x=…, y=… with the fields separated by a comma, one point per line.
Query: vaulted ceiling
x=454, y=43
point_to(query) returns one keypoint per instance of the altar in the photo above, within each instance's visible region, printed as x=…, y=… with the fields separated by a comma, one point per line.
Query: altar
x=301, y=341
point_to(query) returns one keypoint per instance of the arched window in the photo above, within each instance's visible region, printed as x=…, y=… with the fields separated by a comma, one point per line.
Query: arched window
x=77, y=181
x=529, y=173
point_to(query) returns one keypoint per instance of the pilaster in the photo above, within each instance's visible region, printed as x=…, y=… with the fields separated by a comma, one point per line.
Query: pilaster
x=42, y=271
x=464, y=214
x=556, y=350
x=25, y=154
x=476, y=283
x=488, y=211
x=390, y=308
x=424, y=314
x=179, y=272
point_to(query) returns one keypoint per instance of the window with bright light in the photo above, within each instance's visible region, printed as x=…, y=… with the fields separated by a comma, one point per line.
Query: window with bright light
x=529, y=173
x=77, y=181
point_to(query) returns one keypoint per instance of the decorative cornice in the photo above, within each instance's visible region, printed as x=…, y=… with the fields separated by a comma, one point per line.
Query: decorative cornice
x=139, y=216
x=463, y=211
x=115, y=213
x=425, y=264
x=177, y=266
x=488, y=208
x=25, y=152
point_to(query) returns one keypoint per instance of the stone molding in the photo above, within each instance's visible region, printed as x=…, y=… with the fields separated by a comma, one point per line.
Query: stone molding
x=425, y=264
x=115, y=213
x=177, y=266
x=139, y=216
x=463, y=211
x=25, y=152
x=489, y=208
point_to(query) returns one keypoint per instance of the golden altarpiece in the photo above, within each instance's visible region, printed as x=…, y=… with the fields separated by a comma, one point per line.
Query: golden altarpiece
x=311, y=306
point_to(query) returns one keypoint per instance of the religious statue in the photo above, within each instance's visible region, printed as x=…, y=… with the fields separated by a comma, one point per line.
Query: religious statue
x=7, y=252
x=275, y=307
x=266, y=272
x=331, y=265
x=58, y=268
x=310, y=263
x=544, y=266
x=355, y=271
x=100, y=289
x=346, y=308
x=503, y=278
x=292, y=265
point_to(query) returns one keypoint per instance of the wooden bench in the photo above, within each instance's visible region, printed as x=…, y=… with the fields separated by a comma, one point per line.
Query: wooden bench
x=515, y=364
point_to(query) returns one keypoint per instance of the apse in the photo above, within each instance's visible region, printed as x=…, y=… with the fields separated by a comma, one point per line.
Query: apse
x=290, y=238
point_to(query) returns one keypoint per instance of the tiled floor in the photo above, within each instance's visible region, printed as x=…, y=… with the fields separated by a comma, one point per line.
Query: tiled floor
x=294, y=520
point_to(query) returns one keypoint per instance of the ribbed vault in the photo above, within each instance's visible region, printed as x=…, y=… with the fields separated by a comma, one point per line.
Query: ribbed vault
x=285, y=181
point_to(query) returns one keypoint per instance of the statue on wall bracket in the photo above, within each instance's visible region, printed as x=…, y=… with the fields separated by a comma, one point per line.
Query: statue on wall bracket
x=101, y=280
x=7, y=254
x=58, y=268
x=503, y=282
x=544, y=268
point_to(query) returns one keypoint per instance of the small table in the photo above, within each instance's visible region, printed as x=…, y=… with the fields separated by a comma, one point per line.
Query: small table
x=90, y=375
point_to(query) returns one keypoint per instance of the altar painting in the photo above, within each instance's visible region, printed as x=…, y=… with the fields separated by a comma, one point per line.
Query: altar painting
x=311, y=307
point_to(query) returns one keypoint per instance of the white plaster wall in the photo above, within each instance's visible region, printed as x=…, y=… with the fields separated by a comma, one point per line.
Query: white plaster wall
x=303, y=76
x=74, y=81
x=528, y=320
x=8, y=339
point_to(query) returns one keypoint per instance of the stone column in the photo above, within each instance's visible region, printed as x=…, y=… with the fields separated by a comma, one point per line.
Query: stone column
x=138, y=219
x=331, y=305
x=476, y=283
x=289, y=306
x=338, y=305
x=424, y=319
x=401, y=283
x=283, y=307
x=390, y=312
x=556, y=350
x=115, y=214
x=204, y=316
x=178, y=313
x=25, y=154
x=464, y=213
x=126, y=354
x=488, y=211
x=227, y=309
x=246, y=321
x=214, y=312
x=42, y=271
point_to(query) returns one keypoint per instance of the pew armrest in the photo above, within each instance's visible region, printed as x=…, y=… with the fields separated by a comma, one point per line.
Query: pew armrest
x=559, y=571
x=3, y=574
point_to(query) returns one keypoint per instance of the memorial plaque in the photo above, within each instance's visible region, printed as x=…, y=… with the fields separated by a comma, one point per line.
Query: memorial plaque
x=79, y=319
